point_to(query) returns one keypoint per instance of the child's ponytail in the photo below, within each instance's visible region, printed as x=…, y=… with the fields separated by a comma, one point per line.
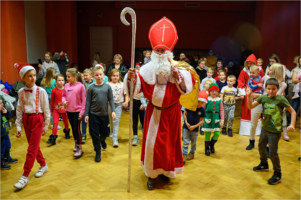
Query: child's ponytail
x=75, y=73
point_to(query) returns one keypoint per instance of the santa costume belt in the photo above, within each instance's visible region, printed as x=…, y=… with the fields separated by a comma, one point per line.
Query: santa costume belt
x=212, y=111
x=31, y=114
x=162, y=108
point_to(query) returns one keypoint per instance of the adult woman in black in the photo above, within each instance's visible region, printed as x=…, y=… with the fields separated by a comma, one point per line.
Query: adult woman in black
x=117, y=64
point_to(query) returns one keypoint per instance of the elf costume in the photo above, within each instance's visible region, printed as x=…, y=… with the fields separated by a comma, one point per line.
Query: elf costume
x=214, y=111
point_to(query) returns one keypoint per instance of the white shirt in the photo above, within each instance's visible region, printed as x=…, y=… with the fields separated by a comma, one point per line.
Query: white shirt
x=30, y=105
x=118, y=92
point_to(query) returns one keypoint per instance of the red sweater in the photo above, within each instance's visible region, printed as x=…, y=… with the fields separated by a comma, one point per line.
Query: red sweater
x=56, y=100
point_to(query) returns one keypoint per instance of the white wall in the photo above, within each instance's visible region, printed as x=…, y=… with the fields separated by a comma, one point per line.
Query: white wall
x=35, y=28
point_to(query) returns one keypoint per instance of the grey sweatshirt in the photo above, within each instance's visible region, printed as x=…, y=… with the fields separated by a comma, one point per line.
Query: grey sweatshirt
x=97, y=100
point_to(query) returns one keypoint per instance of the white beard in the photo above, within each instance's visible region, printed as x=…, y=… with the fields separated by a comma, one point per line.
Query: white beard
x=161, y=63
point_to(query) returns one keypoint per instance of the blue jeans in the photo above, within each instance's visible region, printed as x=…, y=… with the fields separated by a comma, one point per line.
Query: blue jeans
x=295, y=105
x=189, y=136
x=118, y=111
x=5, y=146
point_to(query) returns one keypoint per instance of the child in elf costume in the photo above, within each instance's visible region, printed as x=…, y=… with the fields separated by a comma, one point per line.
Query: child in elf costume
x=214, y=118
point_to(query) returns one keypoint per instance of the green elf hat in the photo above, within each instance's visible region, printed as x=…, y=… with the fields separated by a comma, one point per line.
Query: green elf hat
x=213, y=86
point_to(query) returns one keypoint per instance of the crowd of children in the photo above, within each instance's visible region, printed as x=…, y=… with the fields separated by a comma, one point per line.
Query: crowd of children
x=94, y=98
x=219, y=112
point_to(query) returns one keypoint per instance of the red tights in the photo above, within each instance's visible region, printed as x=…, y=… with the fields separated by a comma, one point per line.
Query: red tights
x=56, y=116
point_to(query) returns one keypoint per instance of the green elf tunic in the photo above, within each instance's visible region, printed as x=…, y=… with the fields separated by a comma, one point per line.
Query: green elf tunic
x=212, y=119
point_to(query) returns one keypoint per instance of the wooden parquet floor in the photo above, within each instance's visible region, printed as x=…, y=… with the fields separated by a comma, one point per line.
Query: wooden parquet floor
x=227, y=174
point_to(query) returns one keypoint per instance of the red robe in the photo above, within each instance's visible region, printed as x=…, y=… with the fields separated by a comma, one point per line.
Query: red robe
x=245, y=123
x=161, y=146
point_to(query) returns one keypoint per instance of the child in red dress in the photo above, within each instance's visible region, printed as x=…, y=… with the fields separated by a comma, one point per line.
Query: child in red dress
x=57, y=108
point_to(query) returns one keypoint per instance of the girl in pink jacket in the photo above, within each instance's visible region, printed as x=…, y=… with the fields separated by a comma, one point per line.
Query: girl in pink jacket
x=74, y=99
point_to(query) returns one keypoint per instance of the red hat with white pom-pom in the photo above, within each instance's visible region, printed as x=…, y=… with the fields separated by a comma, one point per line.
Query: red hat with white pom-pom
x=138, y=64
x=100, y=65
x=23, y=68
x=203, y=96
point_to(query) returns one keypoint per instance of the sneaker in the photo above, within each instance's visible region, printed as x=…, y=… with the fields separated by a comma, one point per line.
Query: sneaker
x=41, y=171
x=190, y=156
x=299, y=158
x=61, y=119
x=115, y=142
x=295, y=96
x=4, y=166
x=135, y=140
x=262, y=167
x=22, y=182
x=10, y=160
x=84, y=137
x=285, y=137
x=276, y=178
x=59, y=127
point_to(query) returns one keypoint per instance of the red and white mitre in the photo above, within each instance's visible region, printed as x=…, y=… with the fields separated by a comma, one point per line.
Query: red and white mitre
x=163, y=34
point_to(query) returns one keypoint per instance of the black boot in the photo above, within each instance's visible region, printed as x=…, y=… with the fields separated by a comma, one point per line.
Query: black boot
x=224, y=131
x=67, y=133
x=151, y=183
x=50, y=140
x=251, y=145
x=230, y=132
x=97, y=157
x=164, y=178
x=53, y=139
x=103, y=144
x=212, y=145
x=207, y=151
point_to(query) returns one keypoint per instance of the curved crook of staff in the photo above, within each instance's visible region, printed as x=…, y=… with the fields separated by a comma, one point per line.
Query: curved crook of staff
x=122, y=17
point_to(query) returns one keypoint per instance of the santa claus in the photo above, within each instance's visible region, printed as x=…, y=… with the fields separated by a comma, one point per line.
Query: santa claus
x=250, y=123
x=162, y=84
